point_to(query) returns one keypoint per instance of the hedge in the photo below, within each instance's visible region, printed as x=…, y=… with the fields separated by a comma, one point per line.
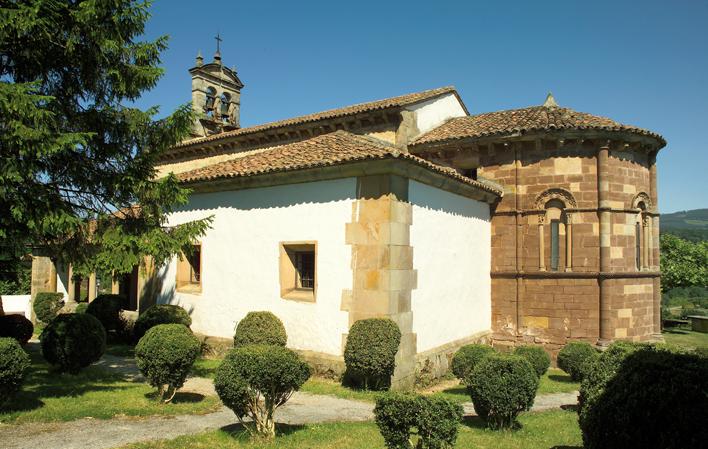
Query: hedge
x=160, y=314
x=14, y=363
x=260, y=328
x=433, y=420
x=73, y=341
x=576, y=358
x=17, y=327
x=47, y=305
x=654, y=398
x=106, y=308
x=165, y=356
x=537, y=357
x=370, y=352
x=501, y=387
x=467, y=357
x=271, y=373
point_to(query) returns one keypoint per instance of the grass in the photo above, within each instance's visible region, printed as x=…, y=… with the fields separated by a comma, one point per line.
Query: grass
x=95, y=392
x=318, y=385
x=553, y=429
x=205, y=367
x=686, y=338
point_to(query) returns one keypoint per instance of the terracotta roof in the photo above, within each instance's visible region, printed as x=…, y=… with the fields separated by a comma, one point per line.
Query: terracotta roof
x=399, y=101
x=536, y=118
x=325, y=150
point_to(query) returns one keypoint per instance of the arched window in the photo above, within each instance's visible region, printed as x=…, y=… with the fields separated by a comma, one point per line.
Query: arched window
x=554, y=223
x=224, y=105
x=209, y=101
x=642, y=231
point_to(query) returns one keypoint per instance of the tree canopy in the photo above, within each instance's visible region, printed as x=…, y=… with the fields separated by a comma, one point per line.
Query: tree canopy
x=77, y=175
x=683, y=263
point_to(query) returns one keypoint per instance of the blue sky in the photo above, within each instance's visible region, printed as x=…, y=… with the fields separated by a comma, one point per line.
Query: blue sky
x=643, y=63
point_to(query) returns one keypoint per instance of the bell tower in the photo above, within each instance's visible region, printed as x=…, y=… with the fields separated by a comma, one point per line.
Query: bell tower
x=216, y=95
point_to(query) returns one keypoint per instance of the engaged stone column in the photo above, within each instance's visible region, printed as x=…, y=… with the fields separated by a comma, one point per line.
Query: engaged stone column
x=541, y=244
x=603, y=189
x=569, y=243
x=44, y=277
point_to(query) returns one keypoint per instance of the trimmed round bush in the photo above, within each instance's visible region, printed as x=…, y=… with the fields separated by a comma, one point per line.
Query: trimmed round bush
x=266, y=372
x=370, y=352
x=434, y=420
x=599, y=372
x=14, y=363
x=467, y=357
x=260, y=328
x=72, y=341
x=537, y=357
x=81, y=307
x=47, y=305
x=17, y=327
x=165, y=355
x=107, y=309
x=655, y=399
x=501, y=387
x=576, y=358
x=160, y=314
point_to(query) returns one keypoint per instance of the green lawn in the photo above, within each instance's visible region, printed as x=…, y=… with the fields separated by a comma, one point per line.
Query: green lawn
x=318, y=385
x=685, y=338
x=49, y=396
x=553, y=429
x=205, y=367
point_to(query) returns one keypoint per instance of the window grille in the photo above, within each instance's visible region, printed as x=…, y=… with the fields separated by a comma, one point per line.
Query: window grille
x=305, y=269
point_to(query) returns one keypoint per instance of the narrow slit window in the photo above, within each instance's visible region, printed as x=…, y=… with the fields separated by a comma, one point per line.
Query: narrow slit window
x=195, y=265
x=555, y=246
x=638, y=245
x=298, y=268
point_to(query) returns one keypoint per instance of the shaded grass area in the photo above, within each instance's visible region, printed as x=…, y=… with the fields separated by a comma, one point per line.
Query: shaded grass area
x=205, y=367
x=686, y=338
x=95, y=392
x=553, y=429
x=318, y=385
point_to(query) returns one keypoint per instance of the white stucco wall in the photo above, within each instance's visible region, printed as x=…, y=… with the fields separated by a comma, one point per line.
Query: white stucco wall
x=432, y=113
x=240, y=271
x=451, y=239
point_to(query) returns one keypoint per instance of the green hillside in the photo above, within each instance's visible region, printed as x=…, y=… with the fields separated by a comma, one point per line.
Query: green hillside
x=688, y=224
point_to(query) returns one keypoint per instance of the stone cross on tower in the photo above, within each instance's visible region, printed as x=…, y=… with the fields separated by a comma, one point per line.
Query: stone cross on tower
x=216, y=95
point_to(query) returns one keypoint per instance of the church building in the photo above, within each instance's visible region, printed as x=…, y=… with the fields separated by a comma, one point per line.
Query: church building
x=534, y=225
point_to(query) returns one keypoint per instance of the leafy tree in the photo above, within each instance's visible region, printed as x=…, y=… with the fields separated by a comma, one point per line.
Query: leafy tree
x=77, y=174
x=683, y=263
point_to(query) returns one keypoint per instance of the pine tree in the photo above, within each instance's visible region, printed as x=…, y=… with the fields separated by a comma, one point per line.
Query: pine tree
x=77, y=175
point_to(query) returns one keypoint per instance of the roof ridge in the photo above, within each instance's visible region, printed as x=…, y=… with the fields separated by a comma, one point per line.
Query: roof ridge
x=396, y=101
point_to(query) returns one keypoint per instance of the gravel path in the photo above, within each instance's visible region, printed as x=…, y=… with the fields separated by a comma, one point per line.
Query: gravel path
x=302, y=408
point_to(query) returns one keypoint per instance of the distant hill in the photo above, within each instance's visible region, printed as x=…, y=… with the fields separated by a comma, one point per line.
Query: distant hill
x=689, y=224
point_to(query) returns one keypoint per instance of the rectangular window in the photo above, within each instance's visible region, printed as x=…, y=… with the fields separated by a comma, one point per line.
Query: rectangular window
x=638, y=245
x=298, y=268
x=555, y=246
x=189, y=271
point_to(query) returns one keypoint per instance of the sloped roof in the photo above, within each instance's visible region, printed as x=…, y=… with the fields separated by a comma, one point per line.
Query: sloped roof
x=400, y=101
x=322, y=151
x=536, y=118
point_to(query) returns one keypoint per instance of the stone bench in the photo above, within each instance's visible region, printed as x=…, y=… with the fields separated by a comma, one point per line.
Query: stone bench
x=699, y=323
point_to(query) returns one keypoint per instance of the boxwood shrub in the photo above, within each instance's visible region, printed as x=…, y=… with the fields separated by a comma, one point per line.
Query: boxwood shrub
x=370, y=352
x=501, y=387
x=432, y=420
x=254, y=373
x=601, y=371
x=107, y=309
x=576, y=358
x=81, y=307
x=165, y=355
x=260, y=328
x=17, y=327
x=655, y=398
x=537, y=357
x=160, y=314
x=14, y=363
x=467, y=357
x=47, y=305
x=72, y=341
